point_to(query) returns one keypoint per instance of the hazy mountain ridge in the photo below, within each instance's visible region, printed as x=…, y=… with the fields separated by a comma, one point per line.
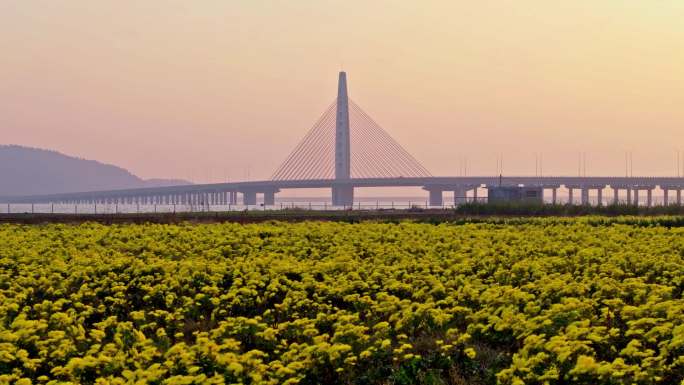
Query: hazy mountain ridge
x=33, y=171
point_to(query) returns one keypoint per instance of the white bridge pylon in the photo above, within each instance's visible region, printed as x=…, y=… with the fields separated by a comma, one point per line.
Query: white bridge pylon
x=345, y=143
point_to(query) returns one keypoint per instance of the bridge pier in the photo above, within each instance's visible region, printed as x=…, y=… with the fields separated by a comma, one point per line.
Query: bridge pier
x=269, y=197
x=599, y=194
x=342, y=195
x=636, y=196
x=554, y=192
x=460, y=195
x=666, y=196
x=435, y=197
x=585, y=190
x=249, y=198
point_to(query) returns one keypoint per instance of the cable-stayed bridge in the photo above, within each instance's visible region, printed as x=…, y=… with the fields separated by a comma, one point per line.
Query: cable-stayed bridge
x=347, y=149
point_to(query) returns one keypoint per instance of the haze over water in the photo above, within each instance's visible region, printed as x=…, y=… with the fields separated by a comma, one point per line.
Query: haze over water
x=218, y=90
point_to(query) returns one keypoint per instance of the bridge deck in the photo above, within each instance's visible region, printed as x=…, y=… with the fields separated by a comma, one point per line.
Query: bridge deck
x=435, y=183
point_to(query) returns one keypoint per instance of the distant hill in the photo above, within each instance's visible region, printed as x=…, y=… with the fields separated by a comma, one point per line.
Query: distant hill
x=32, y=171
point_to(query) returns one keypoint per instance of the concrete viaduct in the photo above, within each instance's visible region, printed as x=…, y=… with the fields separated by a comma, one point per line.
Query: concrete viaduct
x=228, y=193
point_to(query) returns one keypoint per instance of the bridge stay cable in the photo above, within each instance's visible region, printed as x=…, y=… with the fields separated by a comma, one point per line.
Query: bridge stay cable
x=367, y=144
x=295, y=161
x=310, y=162
x=364, y=143
x=319, y=156
x=404, y=156
x=301, y=163
x=402, y=163
x=383, y=149
x=373, y=152
x=285, y=170
x=383, y=167
x=360, y=161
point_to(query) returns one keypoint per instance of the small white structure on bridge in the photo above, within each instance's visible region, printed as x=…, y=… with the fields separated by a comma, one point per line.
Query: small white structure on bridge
x=526, y=194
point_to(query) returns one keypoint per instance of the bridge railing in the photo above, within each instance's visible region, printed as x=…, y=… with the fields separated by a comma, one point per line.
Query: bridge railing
x=49, y=208
x=60, y=208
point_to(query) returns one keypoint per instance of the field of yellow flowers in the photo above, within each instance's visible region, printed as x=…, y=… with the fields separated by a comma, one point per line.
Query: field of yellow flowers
x=536, y=301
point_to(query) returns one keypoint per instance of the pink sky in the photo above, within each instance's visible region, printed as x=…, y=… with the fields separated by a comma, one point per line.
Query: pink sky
x=212, y=89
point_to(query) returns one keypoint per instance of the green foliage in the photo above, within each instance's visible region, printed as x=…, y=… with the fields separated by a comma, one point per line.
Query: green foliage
x=537, y=301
